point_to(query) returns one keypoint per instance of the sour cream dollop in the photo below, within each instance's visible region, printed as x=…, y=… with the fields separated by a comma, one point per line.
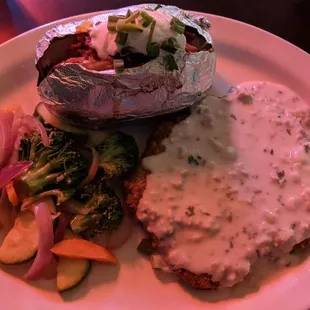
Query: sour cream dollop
x=103, y=41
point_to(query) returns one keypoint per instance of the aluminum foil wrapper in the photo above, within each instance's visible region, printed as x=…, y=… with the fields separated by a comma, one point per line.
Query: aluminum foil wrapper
x=95, y=99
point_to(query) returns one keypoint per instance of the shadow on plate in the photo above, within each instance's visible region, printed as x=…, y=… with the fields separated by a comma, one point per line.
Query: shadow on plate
x=19, y=270
x=99, y=274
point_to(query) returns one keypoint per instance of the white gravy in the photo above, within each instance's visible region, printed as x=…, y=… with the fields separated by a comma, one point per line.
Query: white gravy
x=233, y=184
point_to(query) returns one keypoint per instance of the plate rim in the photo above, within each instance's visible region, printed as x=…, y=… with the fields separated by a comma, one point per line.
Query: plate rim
x=277, y=41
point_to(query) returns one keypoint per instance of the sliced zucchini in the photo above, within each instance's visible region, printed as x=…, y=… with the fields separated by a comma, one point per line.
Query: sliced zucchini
x=71, y=272
x=46, y=117
x=21, y=243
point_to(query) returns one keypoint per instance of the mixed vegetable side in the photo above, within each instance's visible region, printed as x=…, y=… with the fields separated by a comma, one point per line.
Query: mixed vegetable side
x=55, y=195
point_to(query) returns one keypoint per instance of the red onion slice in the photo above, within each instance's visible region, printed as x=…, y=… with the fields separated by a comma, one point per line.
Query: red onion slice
x=9, y=115
x=24, y=129
x=17, y=122
x=11, y=171
x=35, y=124
x=93, y=168
x=44, y=260
x=63, y=222
x=15, y=153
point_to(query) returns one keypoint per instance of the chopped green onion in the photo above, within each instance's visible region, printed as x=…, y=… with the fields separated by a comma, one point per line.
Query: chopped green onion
x=147, y=19
x=114, y=18
x=152, y=31
x=112, y=26
x=118, y=65
x=171, y=45
x=123, y=26
x=153, y=49
x=121, y=38
x=177, y=25
x=171, y=63
x=128, y=14
x=158, y=6
x=132, y=17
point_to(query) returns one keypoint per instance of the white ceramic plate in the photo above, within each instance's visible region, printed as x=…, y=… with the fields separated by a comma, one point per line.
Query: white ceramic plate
x=244, y=53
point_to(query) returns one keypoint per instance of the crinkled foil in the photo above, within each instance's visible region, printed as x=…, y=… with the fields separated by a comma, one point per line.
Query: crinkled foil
x=93, y=99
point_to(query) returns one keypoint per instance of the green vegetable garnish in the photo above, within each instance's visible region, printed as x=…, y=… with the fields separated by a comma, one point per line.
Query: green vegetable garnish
x=192, y=161
x=153, y=49
x=198, y=161
x=114, y=18
x=121, y=38
x=171, y=45
x=112, y=26
x=118, y=65
x=151, y=31
x=158, y=6
x=147, y=19
x=177, y=25
x=171, y=63
x=124, y=26
x=190, y=211
x=128, y=14
x=132, y=17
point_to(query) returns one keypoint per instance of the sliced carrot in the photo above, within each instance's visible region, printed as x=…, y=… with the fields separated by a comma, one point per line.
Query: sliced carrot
x=80, y=248
x=12, y=195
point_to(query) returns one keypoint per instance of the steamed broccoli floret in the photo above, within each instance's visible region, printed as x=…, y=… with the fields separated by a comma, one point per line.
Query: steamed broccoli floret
x=119, y=155
x=59, y=165
x=105, y=210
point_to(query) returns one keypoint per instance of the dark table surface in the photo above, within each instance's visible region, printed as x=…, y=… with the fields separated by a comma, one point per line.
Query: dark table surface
x=289, y=19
